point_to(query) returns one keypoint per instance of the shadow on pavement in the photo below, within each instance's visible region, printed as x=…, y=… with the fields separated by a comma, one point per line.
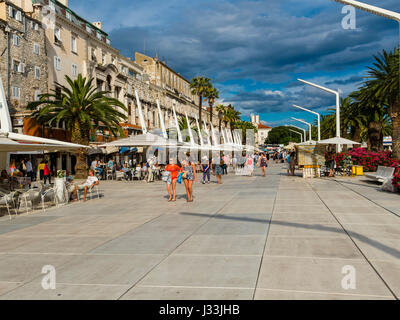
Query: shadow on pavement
x=392, y=251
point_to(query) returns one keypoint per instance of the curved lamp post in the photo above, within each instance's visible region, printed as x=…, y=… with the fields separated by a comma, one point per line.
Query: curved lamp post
x=301, y=136
x=304, y=131
x=319, y=119
x=337, y=105
x=309, y=126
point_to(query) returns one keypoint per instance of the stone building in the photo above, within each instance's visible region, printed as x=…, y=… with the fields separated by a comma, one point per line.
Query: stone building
x=263, y=129
x=23, y=59
x=59, y=42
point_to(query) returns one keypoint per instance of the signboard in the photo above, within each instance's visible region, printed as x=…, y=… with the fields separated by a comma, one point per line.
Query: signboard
x=311, y=155
x=387, y=141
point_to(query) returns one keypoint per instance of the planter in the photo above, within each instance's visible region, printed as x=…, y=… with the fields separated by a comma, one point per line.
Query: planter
x=59, y=183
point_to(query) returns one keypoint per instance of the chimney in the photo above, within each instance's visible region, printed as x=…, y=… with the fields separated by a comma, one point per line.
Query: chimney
x=64, y=2
x=258, y=119
x=98, y=25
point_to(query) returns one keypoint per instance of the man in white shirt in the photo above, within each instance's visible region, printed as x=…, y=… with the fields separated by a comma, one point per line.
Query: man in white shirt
x=29, y=169
x=90, y=183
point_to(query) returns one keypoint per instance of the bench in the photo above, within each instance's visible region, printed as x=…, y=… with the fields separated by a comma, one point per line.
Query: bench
x=382, y=174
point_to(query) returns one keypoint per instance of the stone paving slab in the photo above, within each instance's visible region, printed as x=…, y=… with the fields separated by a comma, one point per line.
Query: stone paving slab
x=34, y=290
x=268, y=238
x=293, y=246
x=318, y=275
x=205, y=271
x=223, y=245
x=187, y=293
x=264, y=294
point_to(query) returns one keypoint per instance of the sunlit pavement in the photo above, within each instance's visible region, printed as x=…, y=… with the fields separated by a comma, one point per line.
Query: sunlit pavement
x=276, y=237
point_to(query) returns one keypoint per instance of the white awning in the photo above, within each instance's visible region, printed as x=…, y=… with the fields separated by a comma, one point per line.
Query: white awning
x=338, y=141
x=145, y=140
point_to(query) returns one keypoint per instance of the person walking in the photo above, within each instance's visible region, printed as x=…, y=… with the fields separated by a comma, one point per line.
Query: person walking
x=29, y=169
x=225, y=164
x=22, y=167
x=171, y=179
x=263, y=163
x=189, y=176
x=292, y=162
x=219, y=171
x=46, y=172
x=206, y=165
x=288, y=163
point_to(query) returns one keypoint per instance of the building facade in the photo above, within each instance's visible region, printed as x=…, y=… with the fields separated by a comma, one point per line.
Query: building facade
x=23, y=60
x=263, y=130
x=45, y=40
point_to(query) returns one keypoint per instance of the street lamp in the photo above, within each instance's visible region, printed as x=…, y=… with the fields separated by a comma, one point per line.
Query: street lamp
x=304, y=131
x=337, y=105
x=301, y=136
x=319, y=119
x=309, y=126
x=220, y=117
x=374, y=10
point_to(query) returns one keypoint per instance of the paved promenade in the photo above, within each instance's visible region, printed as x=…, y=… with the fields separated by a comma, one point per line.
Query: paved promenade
x=277, y=237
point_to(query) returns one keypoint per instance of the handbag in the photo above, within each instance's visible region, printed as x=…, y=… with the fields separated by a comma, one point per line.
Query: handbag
x=184, y=174
x=165, y=176
x=179, y=180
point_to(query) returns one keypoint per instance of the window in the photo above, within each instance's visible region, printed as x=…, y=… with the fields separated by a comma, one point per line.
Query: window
x=88, y=29
x=15, y=14
x=57, y=35
x=36, y=48
x=16, y=92
x=68, y=15
x=99, y=36
x=12, y=12
x=103, y=59
x=15, y=40
x=73, y=44
x=19, y=16
x=35, y=26
x=74, y=70
x=108, y=41
x=18, y=66
x=37, y=73
x=37, y=95
x=52, y=5
x=57, y=63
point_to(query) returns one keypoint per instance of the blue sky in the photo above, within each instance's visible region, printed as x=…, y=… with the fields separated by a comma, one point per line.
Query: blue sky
x=252, y=50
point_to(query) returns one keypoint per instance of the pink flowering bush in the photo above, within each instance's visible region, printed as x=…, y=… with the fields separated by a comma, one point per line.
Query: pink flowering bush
x=371, y=160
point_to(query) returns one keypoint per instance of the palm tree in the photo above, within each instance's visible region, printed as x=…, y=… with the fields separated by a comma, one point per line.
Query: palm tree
x=244, y=126
x=352, y=119
x=212, y=95
x=233, y=118
x=374, y=112
x=221, y=111
x=384, y=83
x=328, y=126
x=200, y=86
x=83, y=110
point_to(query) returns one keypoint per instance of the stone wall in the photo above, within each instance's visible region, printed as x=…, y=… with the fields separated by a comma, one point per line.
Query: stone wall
x=25, y=79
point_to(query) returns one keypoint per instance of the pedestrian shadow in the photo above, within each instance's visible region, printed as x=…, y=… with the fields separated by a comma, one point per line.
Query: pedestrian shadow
x=380, y=246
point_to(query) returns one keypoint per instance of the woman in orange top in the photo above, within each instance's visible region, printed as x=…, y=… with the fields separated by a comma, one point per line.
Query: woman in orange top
x=173, y=169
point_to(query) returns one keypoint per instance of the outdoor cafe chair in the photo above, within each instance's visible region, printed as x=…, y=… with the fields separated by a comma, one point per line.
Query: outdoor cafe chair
x=6, y=199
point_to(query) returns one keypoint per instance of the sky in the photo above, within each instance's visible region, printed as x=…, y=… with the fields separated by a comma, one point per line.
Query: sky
x=254, y=51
